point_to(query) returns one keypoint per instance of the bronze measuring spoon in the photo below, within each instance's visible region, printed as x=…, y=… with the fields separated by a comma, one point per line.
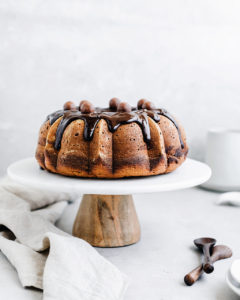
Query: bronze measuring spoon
x=206, y=245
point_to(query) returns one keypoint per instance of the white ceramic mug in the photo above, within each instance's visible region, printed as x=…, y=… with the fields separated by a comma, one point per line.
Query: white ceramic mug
x=223, y=156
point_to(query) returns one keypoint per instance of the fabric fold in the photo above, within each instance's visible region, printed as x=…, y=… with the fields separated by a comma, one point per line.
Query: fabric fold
x=47, y=258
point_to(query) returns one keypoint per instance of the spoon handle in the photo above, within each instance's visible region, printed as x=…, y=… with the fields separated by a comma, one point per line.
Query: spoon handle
x=193, y=276
x=207, y=261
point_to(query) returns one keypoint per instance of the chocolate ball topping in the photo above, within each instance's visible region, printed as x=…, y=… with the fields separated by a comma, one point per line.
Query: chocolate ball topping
x=86, y=107
x=148, y=105
x=113, y=103
x=124, y=107
x=140, y=103
x=69, y=105
x=82, y=102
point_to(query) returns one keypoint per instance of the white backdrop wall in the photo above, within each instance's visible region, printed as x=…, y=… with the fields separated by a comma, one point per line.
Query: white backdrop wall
x=184, y=55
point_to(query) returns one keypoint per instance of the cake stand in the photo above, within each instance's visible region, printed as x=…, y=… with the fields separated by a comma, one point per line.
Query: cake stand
x=107, y=216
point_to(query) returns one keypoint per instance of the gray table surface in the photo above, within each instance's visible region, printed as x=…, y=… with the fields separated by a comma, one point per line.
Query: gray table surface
x=157, y=264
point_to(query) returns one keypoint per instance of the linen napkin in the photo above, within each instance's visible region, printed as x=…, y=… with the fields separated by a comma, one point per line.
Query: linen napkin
x=45, y=257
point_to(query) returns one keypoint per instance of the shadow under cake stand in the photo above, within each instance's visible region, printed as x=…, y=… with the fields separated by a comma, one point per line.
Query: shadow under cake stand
x=107, y=215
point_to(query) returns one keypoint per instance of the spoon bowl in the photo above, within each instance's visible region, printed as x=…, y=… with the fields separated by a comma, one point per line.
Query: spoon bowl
x=204, y=240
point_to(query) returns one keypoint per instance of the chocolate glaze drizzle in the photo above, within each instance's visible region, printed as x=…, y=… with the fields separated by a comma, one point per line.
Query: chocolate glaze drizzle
x=54, y=116
x=114, y=120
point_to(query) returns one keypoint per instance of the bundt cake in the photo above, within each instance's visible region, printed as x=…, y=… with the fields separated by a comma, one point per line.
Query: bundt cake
x=119, y=141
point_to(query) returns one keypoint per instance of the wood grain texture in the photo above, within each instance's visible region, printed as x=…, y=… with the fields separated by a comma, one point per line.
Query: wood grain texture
x=107, y=221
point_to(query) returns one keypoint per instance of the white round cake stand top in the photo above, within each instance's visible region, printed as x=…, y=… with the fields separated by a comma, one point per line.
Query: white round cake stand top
x=189, y=174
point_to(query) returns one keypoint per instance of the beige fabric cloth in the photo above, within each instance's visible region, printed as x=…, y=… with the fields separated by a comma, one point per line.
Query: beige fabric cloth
x=47, y=258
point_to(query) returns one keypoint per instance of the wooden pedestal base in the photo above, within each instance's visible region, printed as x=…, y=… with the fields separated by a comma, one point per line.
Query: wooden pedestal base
x=107, y=221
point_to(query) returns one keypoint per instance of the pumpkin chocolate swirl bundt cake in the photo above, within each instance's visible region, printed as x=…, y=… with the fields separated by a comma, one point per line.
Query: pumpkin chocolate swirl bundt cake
x=119, y=141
